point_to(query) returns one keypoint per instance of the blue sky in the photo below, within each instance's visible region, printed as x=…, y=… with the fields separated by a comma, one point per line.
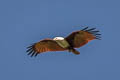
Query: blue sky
x=23, y=22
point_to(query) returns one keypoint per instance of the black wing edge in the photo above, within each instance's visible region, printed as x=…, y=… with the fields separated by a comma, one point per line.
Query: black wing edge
x=31, y=50
x=93, y=31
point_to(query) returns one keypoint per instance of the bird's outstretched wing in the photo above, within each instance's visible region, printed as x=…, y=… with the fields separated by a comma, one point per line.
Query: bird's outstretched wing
x=80, y=38
x=44, y=46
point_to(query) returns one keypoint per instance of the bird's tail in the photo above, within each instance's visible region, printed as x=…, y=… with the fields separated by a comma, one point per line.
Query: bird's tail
x=74, y=51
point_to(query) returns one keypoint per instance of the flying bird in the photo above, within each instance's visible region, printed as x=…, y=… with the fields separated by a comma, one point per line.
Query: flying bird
x=74, y=40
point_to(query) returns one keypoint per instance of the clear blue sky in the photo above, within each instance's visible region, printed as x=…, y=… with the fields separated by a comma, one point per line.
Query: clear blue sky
x=23, y=22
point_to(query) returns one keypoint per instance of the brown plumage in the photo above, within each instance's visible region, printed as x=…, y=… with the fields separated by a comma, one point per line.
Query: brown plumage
x=74, y=40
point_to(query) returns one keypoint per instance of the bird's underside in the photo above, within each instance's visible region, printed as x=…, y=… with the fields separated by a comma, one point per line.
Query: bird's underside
x=74, y=40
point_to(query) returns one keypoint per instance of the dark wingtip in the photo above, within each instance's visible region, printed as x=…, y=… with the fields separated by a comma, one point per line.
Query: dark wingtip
x=85, y=29
x=32, y=54
x=31, y=51
x=94, y=32
x=91, y=29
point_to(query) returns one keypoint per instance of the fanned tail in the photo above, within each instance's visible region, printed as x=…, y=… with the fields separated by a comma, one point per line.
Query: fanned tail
x=74, y=51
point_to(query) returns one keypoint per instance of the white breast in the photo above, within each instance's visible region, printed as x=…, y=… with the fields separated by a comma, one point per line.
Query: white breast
x=62, y=42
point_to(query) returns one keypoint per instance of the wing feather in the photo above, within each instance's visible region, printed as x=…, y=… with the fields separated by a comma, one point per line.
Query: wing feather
x=44, y=46
x=82, y=37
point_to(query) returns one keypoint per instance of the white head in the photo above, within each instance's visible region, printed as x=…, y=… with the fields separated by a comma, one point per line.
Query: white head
x=58, y=38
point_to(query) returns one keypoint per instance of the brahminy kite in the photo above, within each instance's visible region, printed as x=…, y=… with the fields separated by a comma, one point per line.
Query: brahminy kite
x=74, y=40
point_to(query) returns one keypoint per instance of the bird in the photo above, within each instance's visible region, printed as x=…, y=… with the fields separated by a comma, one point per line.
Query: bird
x=74, y=40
